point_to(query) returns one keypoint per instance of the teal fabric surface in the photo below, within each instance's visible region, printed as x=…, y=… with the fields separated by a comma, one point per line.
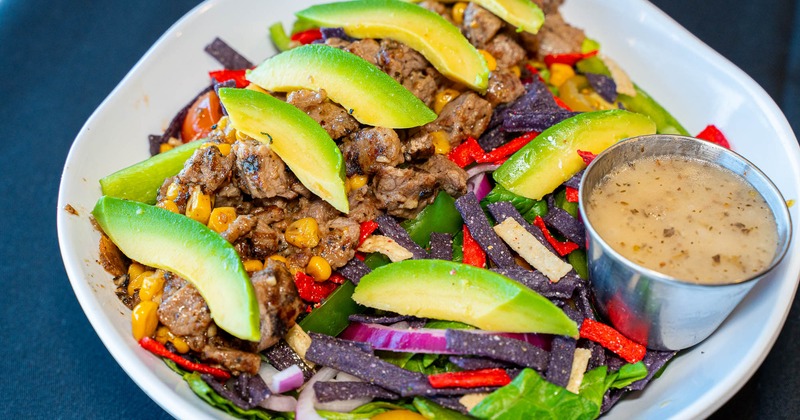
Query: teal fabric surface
x=60, y=59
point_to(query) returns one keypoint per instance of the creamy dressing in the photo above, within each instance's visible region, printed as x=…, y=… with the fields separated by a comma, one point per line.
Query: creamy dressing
x=684, y=218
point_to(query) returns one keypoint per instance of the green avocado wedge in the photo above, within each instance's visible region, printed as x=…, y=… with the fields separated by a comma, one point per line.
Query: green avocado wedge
x=524, y=14
x=372, y=96
x=141, y=181
x=304, y=146
x=438, y=40
x=453, y=291
x=552, y=157
x=159, y=238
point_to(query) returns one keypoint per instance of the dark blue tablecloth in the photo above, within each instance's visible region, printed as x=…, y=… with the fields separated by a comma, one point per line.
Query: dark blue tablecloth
x=59, y=59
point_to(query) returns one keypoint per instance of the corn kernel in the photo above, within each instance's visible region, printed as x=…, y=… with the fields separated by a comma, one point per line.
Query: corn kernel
x=163, y=334
x=252, y=266
x=173, y=191
x=144, y=319
x=136, y=282
x=444, y=97
x=278, y=257
x=199, y=205
x=491, y=63
x=357, y=181
x=224, y=148
x=559, y=73
x=221, y=218
x=515, y=70
x=441, y=142
x=319, y=268
x=135, y=269
x=303, y=233
x=458, y=12
x=152, y=286
x=257, y=88
x=223, y=122
x=180, y=344
x=169, y=205
x=165, y=147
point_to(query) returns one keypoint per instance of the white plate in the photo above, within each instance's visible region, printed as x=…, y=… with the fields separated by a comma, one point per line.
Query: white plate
x=695, y=83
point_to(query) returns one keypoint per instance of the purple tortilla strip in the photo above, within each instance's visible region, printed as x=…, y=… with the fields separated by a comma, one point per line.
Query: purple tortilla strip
x=441, y=246
x=223, y=84
x=503, y=210
x=496, y=347
x=539, y=283
x=480, y=229
x=575, y=181
x=562, y=352
x=328, y=33
x=245, y=391
x=174, y=127
x=563, y=222
x=582, y=298
x=452, y=403
x=495, y=137
x=598, y=353
x=654, y=361
x=603, y=85
x=227, y=56
x=535, y=121
x=354, y=270
x=349, y=390
x=384, y=319
x=281, y=356
x=476, y=363
x=393, y=230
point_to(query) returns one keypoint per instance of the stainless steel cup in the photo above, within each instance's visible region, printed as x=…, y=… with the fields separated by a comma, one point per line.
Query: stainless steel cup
x=654, y=309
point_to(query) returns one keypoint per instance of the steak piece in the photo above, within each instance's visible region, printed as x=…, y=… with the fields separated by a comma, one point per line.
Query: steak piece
x=555, y=37
x=409, y=68
x=505, y=51
x=403, y=192
x=338, y=245
x=336, y=120
x=185, y=312
x=467, y=115
x=260, y=172
x=448, y=175
x=208, y=168
x=479, y=25
x=368, y=149
x=278, y=302
x=504, y=87
x=367, y=48
x=237, y=361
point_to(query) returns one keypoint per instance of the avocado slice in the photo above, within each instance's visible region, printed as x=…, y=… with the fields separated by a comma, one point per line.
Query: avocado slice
x=141, y=181
x=301, y=143
x=551, y=158
x=441, y=43
x=159, y=238
x=524, y=14
x=460, y=292
x=372, y=96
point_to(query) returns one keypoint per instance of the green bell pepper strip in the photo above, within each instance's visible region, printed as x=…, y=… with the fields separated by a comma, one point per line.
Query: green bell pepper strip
x=641, y=103
x=439, y=216
x=141, y=181
x=331, y=317
x=278, y=36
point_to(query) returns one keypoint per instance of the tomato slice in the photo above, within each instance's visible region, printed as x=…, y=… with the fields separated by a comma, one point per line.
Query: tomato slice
x=201, y=117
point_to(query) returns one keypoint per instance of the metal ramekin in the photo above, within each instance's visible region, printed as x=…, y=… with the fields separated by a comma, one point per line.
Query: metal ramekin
x=654, y=309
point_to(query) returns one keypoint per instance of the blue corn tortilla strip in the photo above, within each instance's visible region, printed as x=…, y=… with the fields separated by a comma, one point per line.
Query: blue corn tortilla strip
x=476, y=363
x=452, y=403
x=227, y=56
x=535, y=121
x=478, y=224
x=174, y=127
x=354, y=270
x=562, y=353
x=539, y=283
x=328, y=33
x=603, y=85
x=346, y=356
x=393, y=230
x=385, y=319
x=583, y=297
x=223, y=84
x=563, y=222
x=281, y=357
x=349, y=390
x=496, y=347
x=575, y=180
x=653, y=361
x=502, y=210
x=245, y=391
x=441, y=246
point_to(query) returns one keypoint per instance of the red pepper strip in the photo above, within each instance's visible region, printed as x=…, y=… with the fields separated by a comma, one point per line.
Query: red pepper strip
x=237, y=75
x=561, y=103
x=569, y=58
x=563, y=248
x=711, y=133
x=307, y=36
x=159, y=349
x=507, y=149
x=470, y=378
x=337, y=278
x=587, y=157
x=466, y=152
x=473, y=254
x=613, y=340
x=572, y=195
x=311, y=290
x=366, y=229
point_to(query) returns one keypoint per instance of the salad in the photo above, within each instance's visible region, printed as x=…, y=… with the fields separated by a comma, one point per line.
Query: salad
x=335, y=286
